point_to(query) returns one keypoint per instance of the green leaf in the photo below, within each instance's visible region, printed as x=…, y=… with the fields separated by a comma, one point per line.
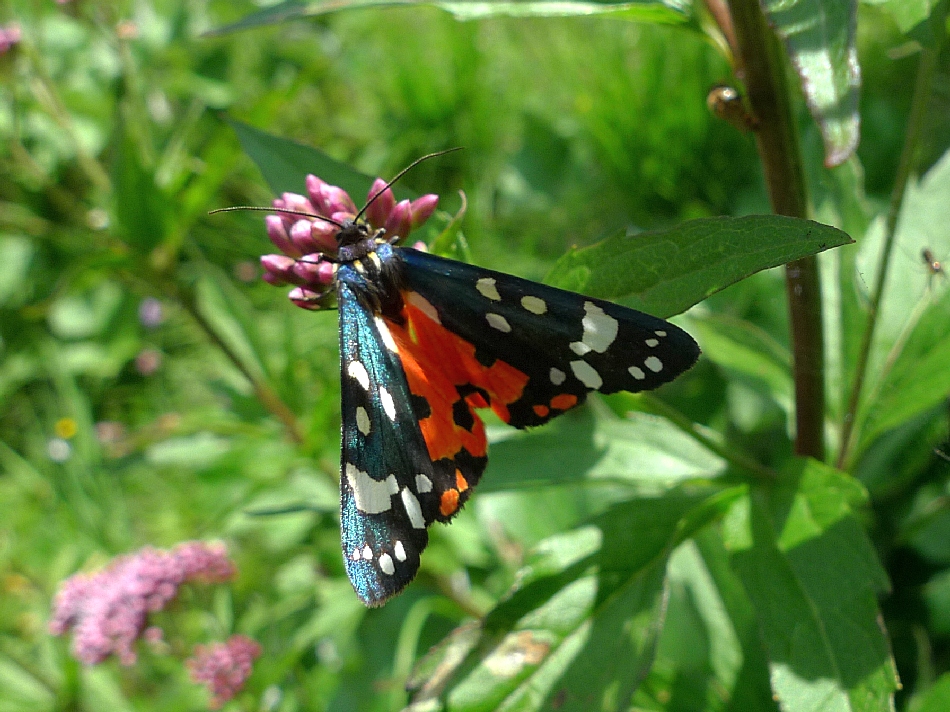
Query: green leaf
x=588, y=444
x=665, y=272
x=16, y=256
x=655, y=11
x=907, y=369
x=285, y=165
x=907, y=14
x=140, y=208
x=820, y=37
x=813, y=578
x=936, y=699
x=579, y=631
x=747, y=349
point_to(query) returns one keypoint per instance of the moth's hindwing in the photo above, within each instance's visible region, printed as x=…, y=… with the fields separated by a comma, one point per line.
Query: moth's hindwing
x=534, y=351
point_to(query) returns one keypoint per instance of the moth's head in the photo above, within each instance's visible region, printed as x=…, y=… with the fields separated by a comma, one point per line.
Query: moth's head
x=318, y=230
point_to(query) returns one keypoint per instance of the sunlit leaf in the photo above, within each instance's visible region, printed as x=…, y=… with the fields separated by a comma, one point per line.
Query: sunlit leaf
x=664, y=272
x=820, y=37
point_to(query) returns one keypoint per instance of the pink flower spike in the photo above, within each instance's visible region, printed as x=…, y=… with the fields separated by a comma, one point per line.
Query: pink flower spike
x=421, y=246
x=301, y=237
x=380, y=208
x=224, y=667
x=277, y=232
x=279, y=269
x=422, y=209
x=399, y=223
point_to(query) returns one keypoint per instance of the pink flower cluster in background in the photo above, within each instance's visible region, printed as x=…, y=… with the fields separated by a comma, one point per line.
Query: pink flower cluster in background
x=224, y=667
x=108, y=611
x=307, y=242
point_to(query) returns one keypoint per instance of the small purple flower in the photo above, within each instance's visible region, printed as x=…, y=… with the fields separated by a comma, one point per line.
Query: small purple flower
x=148, y=361
x=9, y=36
x=224, y=667
x=108, y=611
x=309, y=243
x=151, y=313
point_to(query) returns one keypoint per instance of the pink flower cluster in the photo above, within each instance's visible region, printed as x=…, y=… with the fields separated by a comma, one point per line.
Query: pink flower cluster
x=309, y=244
x=224, y=667
x=108, y=611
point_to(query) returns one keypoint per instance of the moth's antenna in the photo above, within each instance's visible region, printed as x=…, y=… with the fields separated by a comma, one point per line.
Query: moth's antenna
x=401, y=174
x=285, y=211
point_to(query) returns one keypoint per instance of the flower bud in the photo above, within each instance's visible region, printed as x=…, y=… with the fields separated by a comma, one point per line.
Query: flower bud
x=380, y=208
x=399, y=222
x=323, y=234
x=312, y=271
x=336, y=200
x=422, y=209
x=277, y=232
x=307, y=298
x=278, y=269
x=300, y=235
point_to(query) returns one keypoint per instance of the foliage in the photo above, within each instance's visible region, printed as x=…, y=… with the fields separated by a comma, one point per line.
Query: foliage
x=666, y=552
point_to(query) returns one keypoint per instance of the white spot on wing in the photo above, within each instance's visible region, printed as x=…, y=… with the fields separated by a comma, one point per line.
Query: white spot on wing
x=654, y=364
x=413, y=509
x=385, y=335
x=534, y=304
x=422, y=304
x=580, y=348
x=586, y=374
x=356, y=554
x=399, y=551
x=660, y=333
x=358, y=371
x=388, y=404
x=497, y=321
x=423, y=484
x=637, y=372
x=362, y=420
x=386, y=564
x=600, y=329
x=652, y=343
x=557, y=376
x=486, y=287
x=372, y=496
x=367, y=553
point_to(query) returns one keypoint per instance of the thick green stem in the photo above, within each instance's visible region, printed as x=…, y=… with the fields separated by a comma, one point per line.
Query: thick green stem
x=925, y=75
x=763, y=70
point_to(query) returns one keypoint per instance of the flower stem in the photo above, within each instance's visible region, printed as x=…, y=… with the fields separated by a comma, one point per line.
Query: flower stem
x=763, y=70
x=922, y=87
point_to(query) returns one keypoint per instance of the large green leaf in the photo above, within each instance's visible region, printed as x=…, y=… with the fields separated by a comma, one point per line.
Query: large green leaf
x=579, y=631
x=664, y=272
x=813, y=578
x=820, y=36
x=589, y=445
x=908, y=371
x=907, y=14
x=657, y=11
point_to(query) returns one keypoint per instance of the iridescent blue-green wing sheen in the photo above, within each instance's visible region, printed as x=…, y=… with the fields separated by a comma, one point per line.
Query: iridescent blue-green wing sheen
x=387, y=477
x=566, y=344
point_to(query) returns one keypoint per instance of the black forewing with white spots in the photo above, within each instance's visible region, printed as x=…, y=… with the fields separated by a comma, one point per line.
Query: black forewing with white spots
x=386, y=474
x=567, y=344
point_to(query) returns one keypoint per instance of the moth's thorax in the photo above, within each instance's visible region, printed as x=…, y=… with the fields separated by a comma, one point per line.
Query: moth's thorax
x=372, y=269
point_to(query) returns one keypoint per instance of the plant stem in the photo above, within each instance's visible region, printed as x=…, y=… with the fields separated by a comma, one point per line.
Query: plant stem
x=763, y=69
x=925, y=74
